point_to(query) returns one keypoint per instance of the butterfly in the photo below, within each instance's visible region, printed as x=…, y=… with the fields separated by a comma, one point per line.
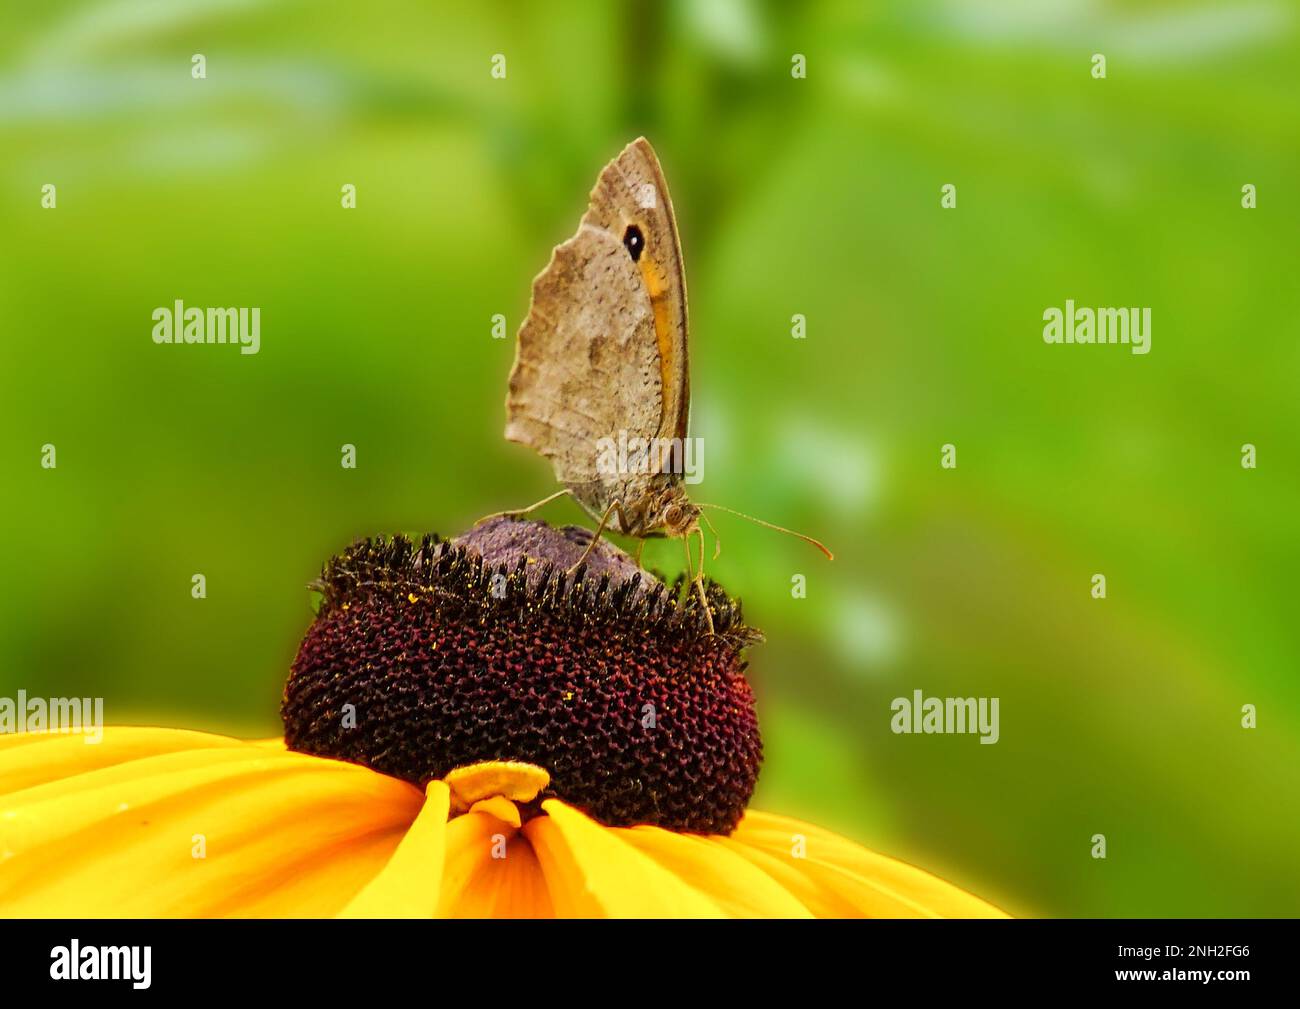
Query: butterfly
x=602, y=360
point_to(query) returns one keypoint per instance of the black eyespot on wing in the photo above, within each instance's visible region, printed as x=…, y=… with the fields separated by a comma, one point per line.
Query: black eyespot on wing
x=633, y=241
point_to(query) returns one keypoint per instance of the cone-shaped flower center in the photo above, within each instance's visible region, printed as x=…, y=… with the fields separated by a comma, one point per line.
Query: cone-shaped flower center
x=425, y=660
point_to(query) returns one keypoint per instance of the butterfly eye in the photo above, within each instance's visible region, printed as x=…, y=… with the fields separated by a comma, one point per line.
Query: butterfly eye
x=633, y=241
x=672, y=515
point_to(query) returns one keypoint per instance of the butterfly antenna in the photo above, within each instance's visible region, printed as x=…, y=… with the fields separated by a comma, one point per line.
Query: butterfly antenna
x=770, y=525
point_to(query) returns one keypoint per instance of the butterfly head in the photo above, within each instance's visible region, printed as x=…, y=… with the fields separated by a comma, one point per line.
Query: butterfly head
x=677, y=515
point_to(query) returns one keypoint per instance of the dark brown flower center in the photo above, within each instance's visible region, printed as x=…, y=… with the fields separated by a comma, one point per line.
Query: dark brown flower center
x=424, y=659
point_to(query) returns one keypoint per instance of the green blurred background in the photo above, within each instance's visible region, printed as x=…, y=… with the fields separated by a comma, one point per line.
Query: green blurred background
x=818, y=196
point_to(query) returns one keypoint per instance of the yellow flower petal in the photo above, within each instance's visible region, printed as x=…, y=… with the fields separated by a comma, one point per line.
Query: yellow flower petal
x=491, y=871
x=835, y=878
x=410, y=884
x=593, y=872
x=280, y=833
x=31, y=758
x=158, y=822
x=500, y=807
x=739, y=887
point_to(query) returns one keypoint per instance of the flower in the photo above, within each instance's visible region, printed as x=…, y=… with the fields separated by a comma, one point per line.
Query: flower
x=469, y=732
x=431, y=656
x=172, y=823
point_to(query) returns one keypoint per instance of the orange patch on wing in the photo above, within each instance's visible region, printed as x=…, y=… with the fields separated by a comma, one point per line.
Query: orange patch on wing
x=660, y=300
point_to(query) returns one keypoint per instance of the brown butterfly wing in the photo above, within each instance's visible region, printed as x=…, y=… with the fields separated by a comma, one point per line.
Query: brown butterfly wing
x=585, y=366
x=602, y=353
x=631, y=191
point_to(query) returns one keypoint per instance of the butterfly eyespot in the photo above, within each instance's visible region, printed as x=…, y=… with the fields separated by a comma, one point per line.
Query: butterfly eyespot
x=633, y=241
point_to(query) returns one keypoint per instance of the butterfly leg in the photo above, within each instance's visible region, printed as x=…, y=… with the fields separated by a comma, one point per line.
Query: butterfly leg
x=604, y=519
x=717, y=540
x=516, y=512
x=697, y=580
x=640, y=549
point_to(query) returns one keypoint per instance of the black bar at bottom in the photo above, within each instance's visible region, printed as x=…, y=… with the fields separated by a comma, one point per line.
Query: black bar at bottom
x=1177, y=957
